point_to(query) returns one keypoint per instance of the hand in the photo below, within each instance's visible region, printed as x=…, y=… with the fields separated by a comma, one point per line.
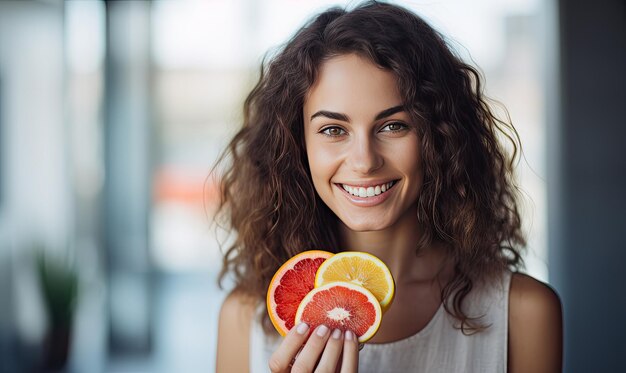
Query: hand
x=322, y=352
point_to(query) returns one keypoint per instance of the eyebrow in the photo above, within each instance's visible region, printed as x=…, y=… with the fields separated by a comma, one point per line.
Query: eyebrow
x=343, y=117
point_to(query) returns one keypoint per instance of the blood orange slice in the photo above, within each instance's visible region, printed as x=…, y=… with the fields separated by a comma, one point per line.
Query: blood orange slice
x=342, y=305
x=293, y=280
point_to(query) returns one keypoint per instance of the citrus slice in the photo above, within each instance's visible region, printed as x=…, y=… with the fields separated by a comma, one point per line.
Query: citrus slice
x=293, y=280
x=362, y=269
x=344, y=306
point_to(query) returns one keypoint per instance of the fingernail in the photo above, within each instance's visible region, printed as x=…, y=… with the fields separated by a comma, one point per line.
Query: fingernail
x=349, y=335
x=322, y=330
x=336, y=334
x=302, y=328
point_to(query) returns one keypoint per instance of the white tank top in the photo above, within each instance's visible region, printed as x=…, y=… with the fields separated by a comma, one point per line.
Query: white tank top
x=438, y=347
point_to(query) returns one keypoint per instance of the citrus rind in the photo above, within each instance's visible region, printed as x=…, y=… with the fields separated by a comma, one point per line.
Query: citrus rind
x=371, y=299
x=365, y=258
x=279, y=324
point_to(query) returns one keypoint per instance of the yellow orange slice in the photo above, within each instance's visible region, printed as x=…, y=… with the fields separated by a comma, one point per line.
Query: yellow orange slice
x=362, y=269
x=344, y=306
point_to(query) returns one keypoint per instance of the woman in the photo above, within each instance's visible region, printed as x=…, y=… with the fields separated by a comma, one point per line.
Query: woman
x=357, y=100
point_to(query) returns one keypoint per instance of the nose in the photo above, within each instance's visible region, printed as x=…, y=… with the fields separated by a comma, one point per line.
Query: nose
x=363, y=155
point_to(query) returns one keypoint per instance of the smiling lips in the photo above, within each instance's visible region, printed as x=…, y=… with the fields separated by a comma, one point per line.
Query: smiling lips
x=369, y=191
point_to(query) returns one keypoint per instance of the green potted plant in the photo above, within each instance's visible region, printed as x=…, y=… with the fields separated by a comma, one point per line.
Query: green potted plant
x=59, y=285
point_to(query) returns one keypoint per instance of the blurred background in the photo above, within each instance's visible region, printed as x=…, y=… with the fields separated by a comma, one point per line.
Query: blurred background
x=112, y=114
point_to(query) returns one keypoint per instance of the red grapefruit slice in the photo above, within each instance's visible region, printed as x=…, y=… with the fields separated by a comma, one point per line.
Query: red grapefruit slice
x=342, y=305
x=292, y=281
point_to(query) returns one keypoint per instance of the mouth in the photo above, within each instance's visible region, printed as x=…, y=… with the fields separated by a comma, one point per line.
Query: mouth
x=363, y=191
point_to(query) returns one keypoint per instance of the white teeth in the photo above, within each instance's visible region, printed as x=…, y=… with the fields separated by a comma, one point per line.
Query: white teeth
x=364, y=192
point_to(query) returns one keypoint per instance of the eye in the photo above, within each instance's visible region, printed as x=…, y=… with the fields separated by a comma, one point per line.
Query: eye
x=394, y=127
x=333, y=131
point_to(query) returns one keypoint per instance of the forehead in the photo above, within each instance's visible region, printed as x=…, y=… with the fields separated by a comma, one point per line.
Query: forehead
x=351, y=84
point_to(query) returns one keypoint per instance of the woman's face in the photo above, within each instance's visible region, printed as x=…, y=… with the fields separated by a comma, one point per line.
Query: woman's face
x=363, y=150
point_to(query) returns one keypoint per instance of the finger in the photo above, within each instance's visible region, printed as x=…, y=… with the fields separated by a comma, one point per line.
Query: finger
x=350, y=359
x=332, y=351
x=281, y=358
x=312, y=350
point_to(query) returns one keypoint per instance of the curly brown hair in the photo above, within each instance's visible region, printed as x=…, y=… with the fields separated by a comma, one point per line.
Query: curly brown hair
x=468, y=198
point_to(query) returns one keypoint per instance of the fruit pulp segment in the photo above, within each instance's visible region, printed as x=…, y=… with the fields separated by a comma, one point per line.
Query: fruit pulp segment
x=360, y=272
x=294, y=285
x=340, y=308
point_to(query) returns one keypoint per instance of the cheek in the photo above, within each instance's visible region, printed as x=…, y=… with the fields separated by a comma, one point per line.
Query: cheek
x=405, y=155
x=413, y=165
x=316, y=164
x=323, y=163
x=320, y=159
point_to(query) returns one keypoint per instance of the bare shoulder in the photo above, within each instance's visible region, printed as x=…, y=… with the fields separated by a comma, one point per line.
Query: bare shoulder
x=531, y=295
x=535, y=326
x=234, y=333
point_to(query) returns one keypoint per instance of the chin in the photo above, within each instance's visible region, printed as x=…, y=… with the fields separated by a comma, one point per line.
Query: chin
x=364, y=225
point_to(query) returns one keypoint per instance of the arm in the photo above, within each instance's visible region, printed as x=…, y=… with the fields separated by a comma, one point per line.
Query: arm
x=535, y=327
x=234, y=334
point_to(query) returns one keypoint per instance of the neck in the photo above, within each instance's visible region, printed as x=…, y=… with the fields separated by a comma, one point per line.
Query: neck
x=397, y=247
